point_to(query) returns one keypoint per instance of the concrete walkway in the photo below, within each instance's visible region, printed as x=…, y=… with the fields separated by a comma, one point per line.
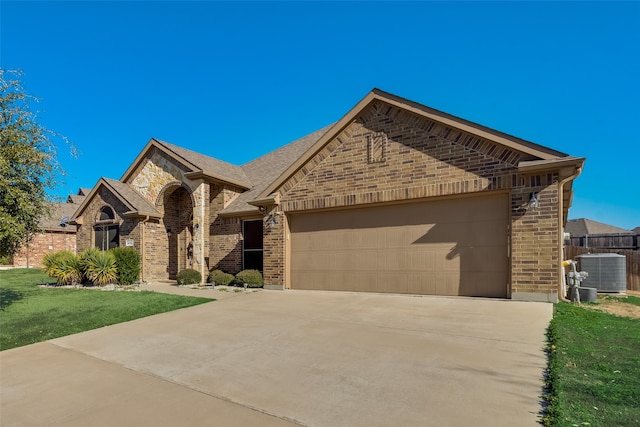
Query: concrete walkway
x=276, y=358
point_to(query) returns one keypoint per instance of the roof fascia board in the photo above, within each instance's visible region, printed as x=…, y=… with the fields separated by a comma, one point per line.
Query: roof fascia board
x=241, y=214
x=550, y=164
x=141, y=214
x=216, y=178
x=274, y=199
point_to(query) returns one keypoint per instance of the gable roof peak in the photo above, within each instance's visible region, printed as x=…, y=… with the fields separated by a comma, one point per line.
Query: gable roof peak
x=125, y=193
x=199, y=164
x=535, y=151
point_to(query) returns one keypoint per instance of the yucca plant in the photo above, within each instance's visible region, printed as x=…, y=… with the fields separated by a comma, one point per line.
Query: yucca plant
x=63, y=266
x=100, y=267
x=87, y=258
x=52, y=265
x=73, y=270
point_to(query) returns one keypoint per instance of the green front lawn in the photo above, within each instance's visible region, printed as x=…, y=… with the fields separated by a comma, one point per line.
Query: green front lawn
x=594, y=368
x=30, y=314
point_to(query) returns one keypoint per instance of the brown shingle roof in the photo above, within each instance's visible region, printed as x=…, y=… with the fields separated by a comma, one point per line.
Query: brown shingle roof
x=264, y=170
x=583, y=226
x=53, y=221
x=131, y=197
x=235, y=174
x=76, y=199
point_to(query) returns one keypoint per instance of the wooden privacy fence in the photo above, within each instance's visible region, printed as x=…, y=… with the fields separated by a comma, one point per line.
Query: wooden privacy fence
x=610, y=241
x=633, y=261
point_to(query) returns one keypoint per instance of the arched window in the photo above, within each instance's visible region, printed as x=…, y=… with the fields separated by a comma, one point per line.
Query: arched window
x=107, y=230
x=106, y=213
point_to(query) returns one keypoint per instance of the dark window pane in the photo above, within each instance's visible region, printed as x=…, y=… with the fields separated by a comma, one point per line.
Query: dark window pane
x=253, y=234
x=114, y=237
x=106, y=213
x=253, y=260
x=107, y=237
x=99, y=238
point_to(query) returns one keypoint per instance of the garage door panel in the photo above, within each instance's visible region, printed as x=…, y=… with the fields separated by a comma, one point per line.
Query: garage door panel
x=484, y=260
x=446, y=247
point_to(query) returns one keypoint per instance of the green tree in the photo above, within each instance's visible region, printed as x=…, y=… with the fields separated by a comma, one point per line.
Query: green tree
x=28, y=164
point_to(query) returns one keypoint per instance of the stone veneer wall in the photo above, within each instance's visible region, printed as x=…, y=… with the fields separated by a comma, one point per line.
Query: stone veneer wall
x=154, y=173
x=420, y=159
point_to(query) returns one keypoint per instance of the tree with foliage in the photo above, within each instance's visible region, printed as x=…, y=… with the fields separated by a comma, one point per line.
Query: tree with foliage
x=28, y=165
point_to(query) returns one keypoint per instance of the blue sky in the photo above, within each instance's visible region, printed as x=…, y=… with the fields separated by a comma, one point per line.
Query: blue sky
x=237, y=80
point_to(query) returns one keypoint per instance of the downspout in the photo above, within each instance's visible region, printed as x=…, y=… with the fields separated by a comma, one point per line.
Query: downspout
x=561, y=184
x=146, y=218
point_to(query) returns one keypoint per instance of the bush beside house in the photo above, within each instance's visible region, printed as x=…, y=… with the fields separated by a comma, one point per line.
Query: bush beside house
x=128, y=262
x=189, y=276
x=219, y=277
x=252, y=278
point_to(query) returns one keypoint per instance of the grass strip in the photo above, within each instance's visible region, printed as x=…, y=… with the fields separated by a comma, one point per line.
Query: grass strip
x=594, y=369
x=30, y=314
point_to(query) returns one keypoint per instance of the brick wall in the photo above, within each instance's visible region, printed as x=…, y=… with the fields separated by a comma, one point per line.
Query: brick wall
x=274, y=248
x=225, y=234
x=534, y=237
x=32, y=254
x=226, y=245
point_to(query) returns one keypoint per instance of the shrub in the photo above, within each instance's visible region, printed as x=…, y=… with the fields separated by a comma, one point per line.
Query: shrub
x=128, y=265
x=100, y=267
x=5, y=260
x=252, y=278
x=86, y=259
x=219, y=277
x=63, y=266
x=189, y=276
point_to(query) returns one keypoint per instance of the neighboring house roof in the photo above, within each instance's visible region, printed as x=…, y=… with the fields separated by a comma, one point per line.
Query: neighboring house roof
x=75, y=199
x=137, y=205
x=58, y=211
x=84, y=191
x=636, y=230
x=583, y=226
x=264, y=170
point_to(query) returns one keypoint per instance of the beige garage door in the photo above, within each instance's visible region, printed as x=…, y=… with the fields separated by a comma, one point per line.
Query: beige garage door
x=445, y=247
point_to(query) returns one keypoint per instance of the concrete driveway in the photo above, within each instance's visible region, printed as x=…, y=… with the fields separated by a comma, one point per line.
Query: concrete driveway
x=275, y=358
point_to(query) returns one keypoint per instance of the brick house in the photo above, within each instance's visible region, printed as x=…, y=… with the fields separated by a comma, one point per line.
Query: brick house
x=56, y=233
x=393, y=197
